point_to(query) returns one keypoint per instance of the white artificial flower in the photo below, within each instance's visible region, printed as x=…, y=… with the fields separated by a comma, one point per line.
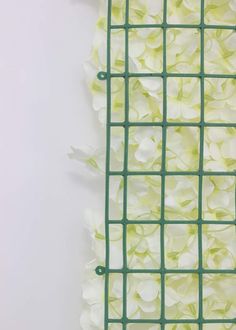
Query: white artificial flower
x=93, y=158
x=143, y=296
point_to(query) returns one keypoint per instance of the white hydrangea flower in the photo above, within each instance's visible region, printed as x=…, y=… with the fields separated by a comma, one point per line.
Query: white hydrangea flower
x=182, y=150
x=181, y=296
x=145, y=50
x=219, y=198
x=181, y=200
x=145, y=148
x=146, y=99
x=144, y=197
x=183, y=50
x=181, y=246
x=219, y=247
x=143, y=296
x=219, y=149
x=220, y=100
x=220, y=47
x=219, y=296
x=143, y=246
x=183, y=99
x=220, y=12
x=183, y=12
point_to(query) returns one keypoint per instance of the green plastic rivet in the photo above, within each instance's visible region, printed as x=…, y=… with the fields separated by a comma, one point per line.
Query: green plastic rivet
x=102, y=75
x=100, y=270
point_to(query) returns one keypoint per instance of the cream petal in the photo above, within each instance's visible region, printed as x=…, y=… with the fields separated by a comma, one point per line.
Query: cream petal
x=171, y=297
x=148, y=290
x=214, y=151
x=151, y=84
x=228, y=148
x=232, y=4
x=186, y=260
x=217, y=135
x=137, y=48
x=218, y=199
x=154, y=7
x=145, y=151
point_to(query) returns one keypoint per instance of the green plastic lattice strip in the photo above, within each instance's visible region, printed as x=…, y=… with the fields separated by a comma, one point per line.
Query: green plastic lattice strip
x=106, y=271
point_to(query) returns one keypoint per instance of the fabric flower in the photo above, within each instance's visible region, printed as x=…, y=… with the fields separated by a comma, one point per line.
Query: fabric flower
x=220, y=47
x=181, y=246
x=220, y=100
x=145, y=99
x=182, y=149
x=145, y=148
x=144, y=197
x=183, y=12
x=219, y=149
x=218, y=297
x=181, y=201
x=220, y=12
x=219, y=249
x=219, y=198
x=145, y=50
x=146, y=11
x=181, y=296
x=143, y=296
x=143, y=246
x=116, y=198
x=183, y=50
x=183, y=99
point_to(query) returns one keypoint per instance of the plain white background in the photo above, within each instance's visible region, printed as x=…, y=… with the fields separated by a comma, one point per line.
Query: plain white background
x=44, y=109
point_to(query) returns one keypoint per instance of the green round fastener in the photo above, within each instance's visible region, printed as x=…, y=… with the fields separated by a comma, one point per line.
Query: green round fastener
x=100, y=270
x=102, y=75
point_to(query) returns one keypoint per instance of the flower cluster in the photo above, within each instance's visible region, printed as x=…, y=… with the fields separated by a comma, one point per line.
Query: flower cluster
x=145, y=153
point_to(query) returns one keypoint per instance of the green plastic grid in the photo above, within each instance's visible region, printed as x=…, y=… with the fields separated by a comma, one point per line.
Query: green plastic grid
x=108, y=75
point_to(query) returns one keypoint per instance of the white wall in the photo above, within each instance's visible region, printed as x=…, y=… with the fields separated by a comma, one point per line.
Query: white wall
x=44, y=108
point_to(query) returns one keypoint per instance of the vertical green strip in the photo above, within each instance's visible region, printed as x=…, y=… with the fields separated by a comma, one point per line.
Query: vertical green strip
x=126, y=149
x=163, y=167
x=108, y=138
x=201, y=168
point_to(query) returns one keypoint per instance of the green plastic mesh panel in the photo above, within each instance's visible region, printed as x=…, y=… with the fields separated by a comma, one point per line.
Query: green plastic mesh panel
x=163, y=173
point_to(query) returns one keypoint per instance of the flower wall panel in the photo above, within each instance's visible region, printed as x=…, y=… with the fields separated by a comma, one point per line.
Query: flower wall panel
x=166, y=93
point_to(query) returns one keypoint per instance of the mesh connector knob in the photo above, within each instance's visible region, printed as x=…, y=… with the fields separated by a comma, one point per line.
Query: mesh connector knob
x=102, y=75
x=100, y=270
